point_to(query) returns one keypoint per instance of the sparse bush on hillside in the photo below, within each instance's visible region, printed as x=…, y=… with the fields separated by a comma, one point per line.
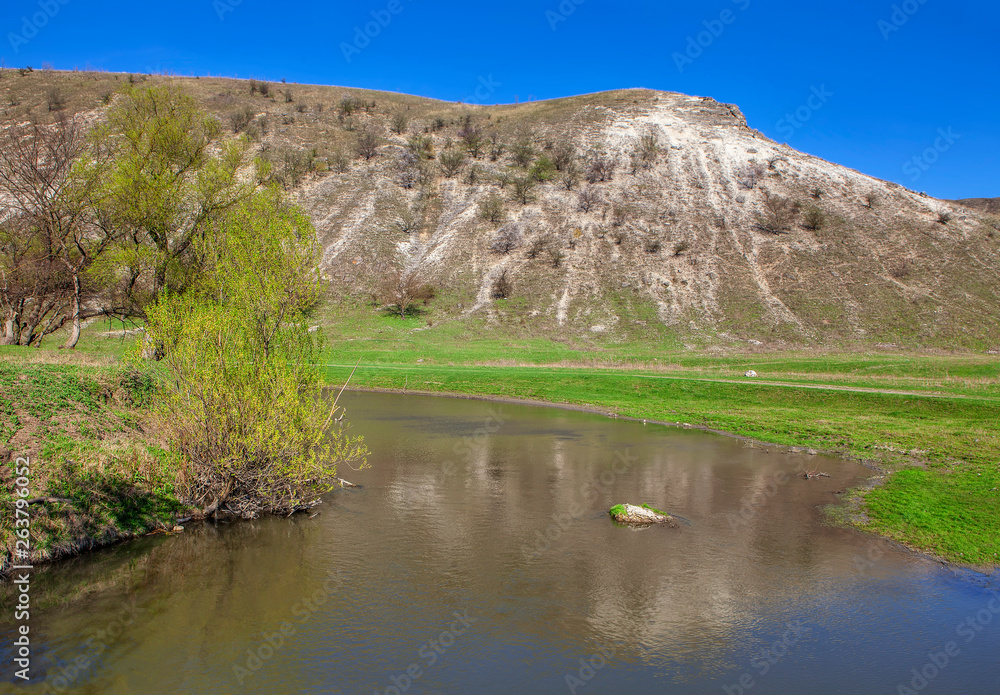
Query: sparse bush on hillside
x=543, y=170
x=451, y=161
x=241, y=120
x=497, y=146
x=348, y=105
x=653, y=245
x=422, y=146
x=618, y=236
x=563, y=155
x=437, y=124
x=288, y=96
x=749, y=175
x=399, y=122
x=367, y=143
x=900, y=270
x=524, y=187
x=944, y=217
x=289, y=165
x=506, y=240
x=339, y=162
x=570, y=176
x=403, y=288
x=817, y=193
x=537, y=247
x=871, y=200
x=600, y=167
x=556, y=257
x=474, y=174
x=523, y=152
x=54, y=100
x=814, y=218
x=407, y=169
x=301, y=108
x=772, y=161
x=503, y=285
x=779, y=213
x=491, y=209
x=681, y=247
x=472, y=139
x=407, y=221
x=588, y=199
x=620, y=214
x=645, y=153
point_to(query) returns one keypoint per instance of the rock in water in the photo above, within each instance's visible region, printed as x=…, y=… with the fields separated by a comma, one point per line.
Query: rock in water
x=640, y=516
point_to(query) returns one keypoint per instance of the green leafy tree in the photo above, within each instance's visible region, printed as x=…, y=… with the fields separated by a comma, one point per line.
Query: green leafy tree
x=243, y=397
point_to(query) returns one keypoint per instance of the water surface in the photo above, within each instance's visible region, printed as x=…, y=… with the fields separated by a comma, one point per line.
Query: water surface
x=479, y=558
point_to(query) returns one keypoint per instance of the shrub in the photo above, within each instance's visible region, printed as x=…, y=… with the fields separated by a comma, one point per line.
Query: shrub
x=497, y=147
x=241, y=120
x=871, y=200
x=288, y=96
x=301, y=108
x=407, y=169
x=399, y=123
x=779, y=214
x=491, y=209
x=543, y=170
x=407, y=222
x=537, y=247
x=451, y=161
x=681, y=247
x=944, y=217
x=814, y=219
x=367, y=143
x=620, y=214
x=570, y=176
x=563, y=155
x=645, y=153
x=503, y=285
x=422, y=146
x=817, y=193
x=523, y=152
x=472, y=139
x=588, y=198
x=750, y=175
x=506, y=240
x=55, y=100
x=556, y=257
x=524, y=187
x=600, y=168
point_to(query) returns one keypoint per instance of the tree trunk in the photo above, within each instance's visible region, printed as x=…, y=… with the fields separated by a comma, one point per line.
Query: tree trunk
x=74, y=335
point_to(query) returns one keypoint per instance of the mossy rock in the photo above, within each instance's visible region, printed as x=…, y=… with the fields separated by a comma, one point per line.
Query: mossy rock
x=644, y=515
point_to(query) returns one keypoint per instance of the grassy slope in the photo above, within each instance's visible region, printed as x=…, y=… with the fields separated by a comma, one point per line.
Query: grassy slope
x=81, y=427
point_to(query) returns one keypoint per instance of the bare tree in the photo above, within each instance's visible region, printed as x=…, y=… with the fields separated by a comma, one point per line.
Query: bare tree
x=368, y=143
x=588, y=198
x=50, y=236
x=506, y=240
x=601, y=167
x=399, y=122
x=779, y=214
x=497, y=146
x=524, y=187
x=563, y=155
x=407, y=169
x=472, y=139
x=503, y=285
x=402, y=289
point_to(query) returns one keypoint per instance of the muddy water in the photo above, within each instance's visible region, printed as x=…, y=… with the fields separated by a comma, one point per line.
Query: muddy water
x=479, y=558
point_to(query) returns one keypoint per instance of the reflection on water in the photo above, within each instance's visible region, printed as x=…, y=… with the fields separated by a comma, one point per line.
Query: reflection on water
x=479, y=558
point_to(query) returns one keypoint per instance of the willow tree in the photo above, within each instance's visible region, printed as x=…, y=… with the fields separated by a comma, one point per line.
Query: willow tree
x=243, y=396
x=171, y=177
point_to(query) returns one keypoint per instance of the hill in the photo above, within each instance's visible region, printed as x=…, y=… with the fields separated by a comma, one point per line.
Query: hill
x=606, y=218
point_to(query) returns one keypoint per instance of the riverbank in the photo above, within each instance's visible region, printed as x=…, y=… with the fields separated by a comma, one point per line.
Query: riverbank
x=80, y=440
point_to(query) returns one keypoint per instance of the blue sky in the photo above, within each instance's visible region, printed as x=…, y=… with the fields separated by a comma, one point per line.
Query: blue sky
x=909, y=88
